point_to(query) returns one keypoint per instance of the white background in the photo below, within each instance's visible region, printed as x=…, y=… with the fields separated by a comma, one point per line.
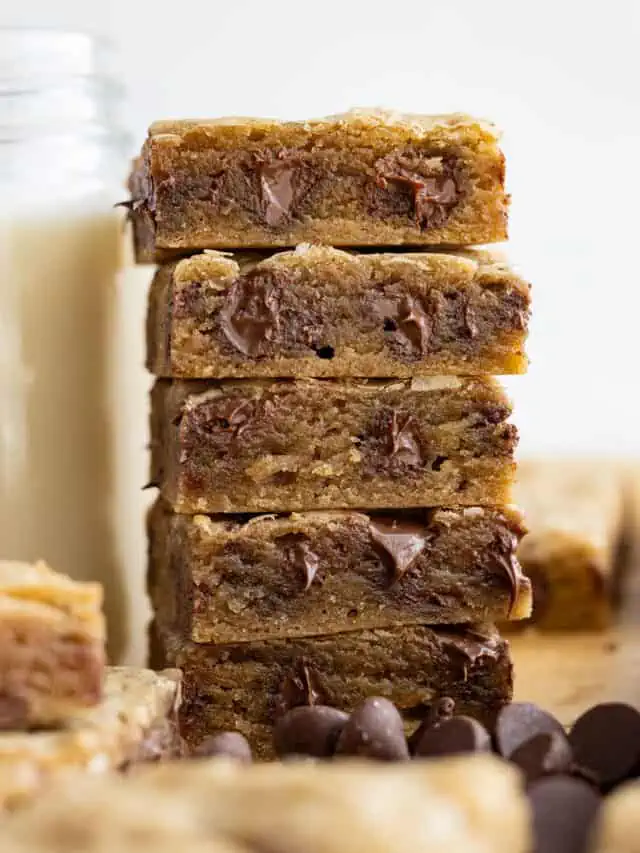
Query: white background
x=561, y=78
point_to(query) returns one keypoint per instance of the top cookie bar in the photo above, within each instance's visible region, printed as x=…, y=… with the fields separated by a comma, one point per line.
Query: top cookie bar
x=364, y=178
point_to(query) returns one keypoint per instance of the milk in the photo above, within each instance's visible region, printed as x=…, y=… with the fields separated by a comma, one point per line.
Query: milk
x=58, y=268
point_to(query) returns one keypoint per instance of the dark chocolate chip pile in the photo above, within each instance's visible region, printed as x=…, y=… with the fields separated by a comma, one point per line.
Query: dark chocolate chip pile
x=566, y=774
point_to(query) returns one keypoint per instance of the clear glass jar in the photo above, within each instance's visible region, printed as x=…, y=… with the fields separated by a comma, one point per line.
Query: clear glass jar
x=62, y=168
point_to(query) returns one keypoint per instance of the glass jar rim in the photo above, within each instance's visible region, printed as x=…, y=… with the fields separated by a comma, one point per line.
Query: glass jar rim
x=32, y=54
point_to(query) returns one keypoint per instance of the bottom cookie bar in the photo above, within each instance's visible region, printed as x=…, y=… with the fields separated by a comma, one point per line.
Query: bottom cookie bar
x=458, y=805
x=135, y=722
x=247, y=686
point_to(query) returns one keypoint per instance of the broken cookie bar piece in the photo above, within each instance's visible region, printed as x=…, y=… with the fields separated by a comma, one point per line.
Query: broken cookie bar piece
x=135, y=722
x=321, y=312
x=259, y=446
x=227, y=579
x=247, y=686
x=363, y=178
x=617, y=829
x=456, y=805
x=52, y=636
x=574, y=512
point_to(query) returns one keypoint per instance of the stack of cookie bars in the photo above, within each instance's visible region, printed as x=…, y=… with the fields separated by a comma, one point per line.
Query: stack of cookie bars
x=333, y=453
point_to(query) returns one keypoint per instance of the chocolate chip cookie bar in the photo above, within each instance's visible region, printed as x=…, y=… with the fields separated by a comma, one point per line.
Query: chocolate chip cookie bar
x=52, y=638
x=322, y=312
x=456, y=805
x=574, y=510
x=247, y=686
x=618, y=829
x=365, y=178
x=313, y=444
x=225, y=579
x=135, y=722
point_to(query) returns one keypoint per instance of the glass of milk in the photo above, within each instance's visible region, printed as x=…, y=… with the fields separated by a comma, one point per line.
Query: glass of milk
x=62, y=168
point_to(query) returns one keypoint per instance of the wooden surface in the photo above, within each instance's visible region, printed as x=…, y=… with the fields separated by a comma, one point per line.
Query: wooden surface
x=566, y=673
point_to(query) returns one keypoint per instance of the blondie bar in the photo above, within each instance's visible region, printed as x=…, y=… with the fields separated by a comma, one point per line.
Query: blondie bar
x=364, y=178
x=618, y=829
x=574, y=511
x=52, y=637
x=247, y=686
x=225, y=579
x=135, y=722
x=457, y=805
x=322, y=312
x=257, y=446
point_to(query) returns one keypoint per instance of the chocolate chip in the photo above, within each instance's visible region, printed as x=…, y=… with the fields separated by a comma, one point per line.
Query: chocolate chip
x=442, y=709
x=518, y=722
x=407, y=316
x=403, y=444
x=374, y=730
x=231, y=745
x=399, y=542
x=300, y=555
x=452, y=737
x=301, y=686
x=249, y=318
x=564, y=810
x=308, y=731
x=14, y=712
x=277, y=188
x=606, y=741
x=402, y=184
x=546, y=754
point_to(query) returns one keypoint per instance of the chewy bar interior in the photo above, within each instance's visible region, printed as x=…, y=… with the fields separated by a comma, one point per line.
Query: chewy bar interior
x=457, y=805
x=136, y=721
x=257, y=446
x=359, y=179
x=227, y=579
x=52, y=638
x=574, y=511
x=321, y=312
x=247, y=686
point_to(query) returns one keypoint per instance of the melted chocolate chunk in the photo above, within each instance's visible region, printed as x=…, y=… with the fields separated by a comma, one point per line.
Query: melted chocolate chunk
x=471, y=645
x=420, y=186
x=227, y=415
x=299, y=687
x=504, y=554
x=399, y=542
x=300, y=555
x=249, y=317
x=407, y=317
x=403, y=445
x=277, y=187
